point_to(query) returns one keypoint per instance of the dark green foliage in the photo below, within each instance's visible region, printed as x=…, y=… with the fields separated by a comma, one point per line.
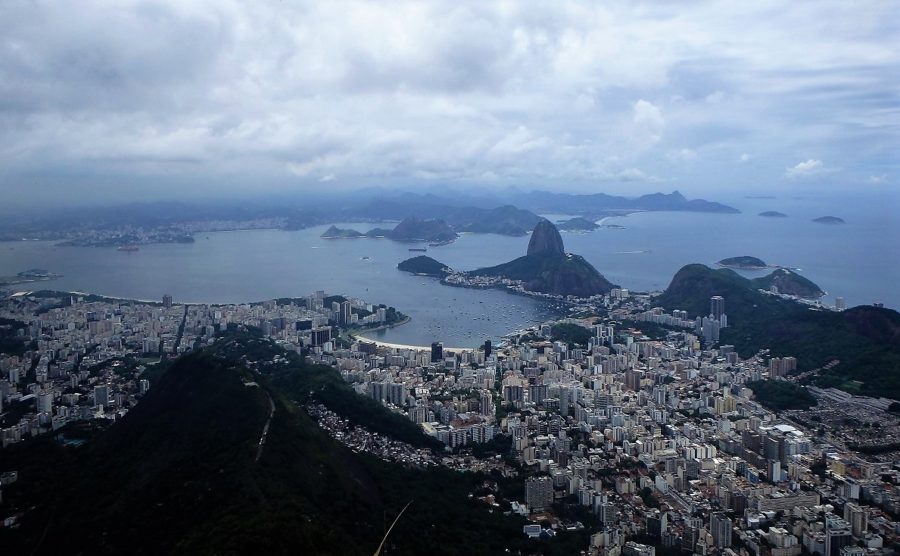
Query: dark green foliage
x=179, y=475
x=423, y=265
x=554, y=274
x=866, y=340
x=646, y=495
x=780, y=394
x=790, y=283
x=10, y=341
x=570, y=333
x=323, y=384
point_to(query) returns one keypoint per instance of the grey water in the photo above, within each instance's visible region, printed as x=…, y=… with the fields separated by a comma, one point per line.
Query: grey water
x=859, y=260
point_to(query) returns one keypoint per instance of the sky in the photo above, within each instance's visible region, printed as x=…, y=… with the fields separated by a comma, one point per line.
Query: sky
x=138, y=100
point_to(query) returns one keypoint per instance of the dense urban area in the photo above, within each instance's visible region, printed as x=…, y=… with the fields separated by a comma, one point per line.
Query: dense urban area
x=637, y=427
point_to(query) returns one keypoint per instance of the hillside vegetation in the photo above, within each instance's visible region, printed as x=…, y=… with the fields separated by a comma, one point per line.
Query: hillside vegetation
x=183, y=473
x=866, y=340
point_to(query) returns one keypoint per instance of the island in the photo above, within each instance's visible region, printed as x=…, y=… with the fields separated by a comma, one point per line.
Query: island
x=341, y=233
x=829, y=220
x=424, y=266
x=578, y=224
x=773, y=214
x=743, y=263
x=413, y=229
x=27, y=276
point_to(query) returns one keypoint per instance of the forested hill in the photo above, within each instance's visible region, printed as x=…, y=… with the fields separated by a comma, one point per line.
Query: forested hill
x=864, y=339
x=183, y=473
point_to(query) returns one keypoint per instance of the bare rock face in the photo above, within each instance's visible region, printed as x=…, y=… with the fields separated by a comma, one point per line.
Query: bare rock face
x=545, y=240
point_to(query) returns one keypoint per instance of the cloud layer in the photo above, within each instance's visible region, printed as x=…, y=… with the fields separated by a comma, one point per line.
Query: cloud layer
x=137, y=96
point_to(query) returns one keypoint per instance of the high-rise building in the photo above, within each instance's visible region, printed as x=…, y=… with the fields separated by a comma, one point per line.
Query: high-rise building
x=837, y=536
x=45, y=402
x=101, y=395
x=857, y=517
x=486, y=404
x=839, y=303
x=437, y=352
x=487, y=349
x=346, y=313
x=167, y=301
x=720, y=526
x=717, y=306
x=538, y=493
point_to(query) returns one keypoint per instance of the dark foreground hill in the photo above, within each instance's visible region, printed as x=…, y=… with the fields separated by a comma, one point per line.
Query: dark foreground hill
x=866, y=340
x=183, y=473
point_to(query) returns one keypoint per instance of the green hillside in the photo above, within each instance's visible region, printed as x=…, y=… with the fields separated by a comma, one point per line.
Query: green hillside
x=555, y=274
x=789, y=282
x=183, y=473
x=423, y=264
x=866, y=340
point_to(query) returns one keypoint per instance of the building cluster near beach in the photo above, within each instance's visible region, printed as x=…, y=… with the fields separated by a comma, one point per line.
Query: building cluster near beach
x=83, y=356
x=651, y=441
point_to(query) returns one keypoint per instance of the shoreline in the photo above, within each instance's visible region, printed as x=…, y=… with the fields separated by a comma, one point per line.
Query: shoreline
x=392, y=345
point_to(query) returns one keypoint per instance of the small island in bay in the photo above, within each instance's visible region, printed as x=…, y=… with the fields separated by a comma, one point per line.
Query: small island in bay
x=744, y=263
x=829, y=220
x=27, y=276
x=424, y=265
x=341, y=233
x=578, y=224
x=773, y=214
x=413, y=229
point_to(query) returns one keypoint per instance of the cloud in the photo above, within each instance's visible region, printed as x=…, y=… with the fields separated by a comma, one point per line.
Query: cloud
x=166, y=96
x=808, y=168
x=879, y=179
x=648, y=122
x=682, y=155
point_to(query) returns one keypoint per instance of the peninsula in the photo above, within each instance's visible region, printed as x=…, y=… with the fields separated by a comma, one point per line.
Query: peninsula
x=578, y=224
x=547, y=268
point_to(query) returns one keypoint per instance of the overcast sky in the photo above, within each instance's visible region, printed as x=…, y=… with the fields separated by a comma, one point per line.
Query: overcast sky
x=120, y=100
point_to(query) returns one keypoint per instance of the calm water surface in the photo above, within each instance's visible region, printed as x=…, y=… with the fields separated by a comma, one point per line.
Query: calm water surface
x=859, y=261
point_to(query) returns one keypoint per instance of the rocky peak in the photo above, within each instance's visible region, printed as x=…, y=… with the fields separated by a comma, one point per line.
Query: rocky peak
x=545, y=240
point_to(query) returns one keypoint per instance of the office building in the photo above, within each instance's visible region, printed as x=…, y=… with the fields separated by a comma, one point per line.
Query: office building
x=720, y=527
x=167, y=301
x=538, y=493
x=437, y=352
x=716, y=307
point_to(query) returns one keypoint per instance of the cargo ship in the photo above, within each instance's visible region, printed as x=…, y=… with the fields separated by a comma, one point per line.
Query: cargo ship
x=418, y=249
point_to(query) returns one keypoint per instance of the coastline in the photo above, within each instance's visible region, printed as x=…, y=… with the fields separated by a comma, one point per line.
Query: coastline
x=391, y=345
